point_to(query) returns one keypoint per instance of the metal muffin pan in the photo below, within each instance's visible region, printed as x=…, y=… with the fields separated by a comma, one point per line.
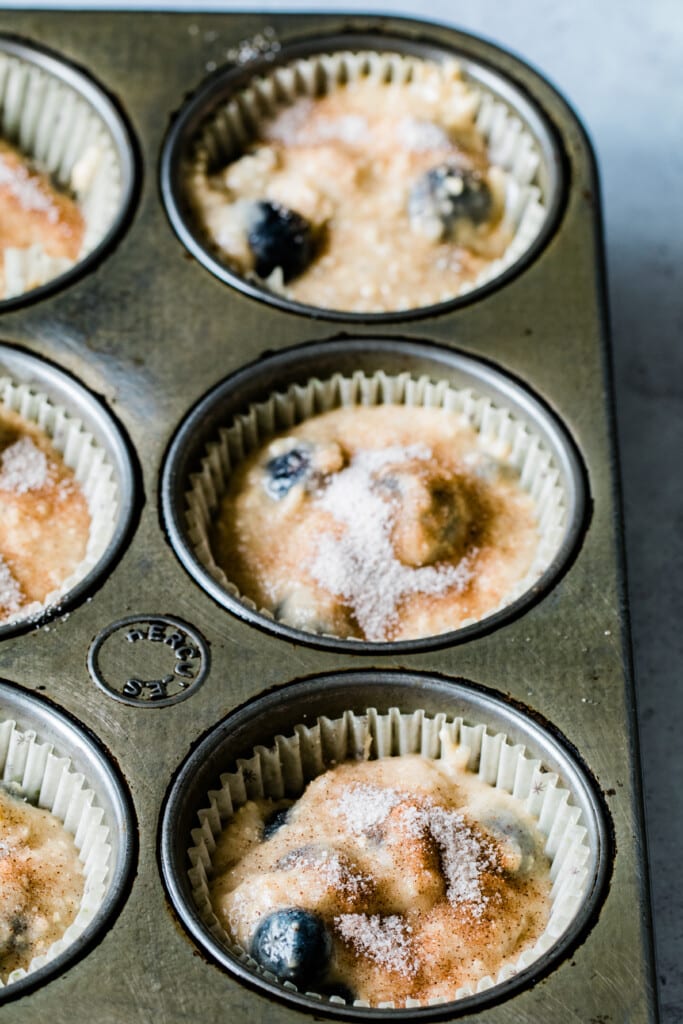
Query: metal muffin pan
x=81, y=87
x=221, y=87
x=150, y=332
x=68, y=740
x=62, y=390
x=297, y=365
x=277, y=713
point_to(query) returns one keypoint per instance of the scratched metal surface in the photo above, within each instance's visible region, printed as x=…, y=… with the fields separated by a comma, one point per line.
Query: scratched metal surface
x=150, y=331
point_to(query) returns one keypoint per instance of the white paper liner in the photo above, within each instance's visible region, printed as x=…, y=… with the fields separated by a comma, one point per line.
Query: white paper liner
x=284, y=769
x=93, y=472
x=511, y=146
x=53, y=125
x=50, y=781
x=539, y=476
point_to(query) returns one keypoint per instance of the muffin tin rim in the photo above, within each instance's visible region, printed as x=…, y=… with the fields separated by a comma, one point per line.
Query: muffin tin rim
x=62, y=387
x=184, y=453
x=102, y=773
x=117, y=124
x=223, y=82
x=200, y=771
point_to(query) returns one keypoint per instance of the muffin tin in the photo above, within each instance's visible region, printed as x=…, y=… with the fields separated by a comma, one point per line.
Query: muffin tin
x=146, y=333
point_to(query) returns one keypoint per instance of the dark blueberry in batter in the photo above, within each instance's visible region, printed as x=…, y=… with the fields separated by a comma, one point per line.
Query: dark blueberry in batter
x=283, y=471
x=274, y=822
x=293, y=944
x=506, y=828
x=279, y=237
x=447, y=194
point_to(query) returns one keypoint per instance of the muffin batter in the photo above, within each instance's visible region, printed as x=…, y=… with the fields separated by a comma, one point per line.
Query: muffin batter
x=34, y=214
x=380, y=523
x=44, y=517
x=392, y=879
x=374, y=197
x=41, y=882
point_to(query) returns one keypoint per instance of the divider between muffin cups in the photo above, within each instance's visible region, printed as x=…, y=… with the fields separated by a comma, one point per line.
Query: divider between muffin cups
x=93, y=471
x=286, y=768
x=54, y=124
x=538, y=475
x=51, y=782
x=529, y=195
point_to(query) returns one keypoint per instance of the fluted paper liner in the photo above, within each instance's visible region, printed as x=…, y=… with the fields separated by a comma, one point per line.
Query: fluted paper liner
x=539, y=476
x=92, y=470
x=510, y=144
x=53, y=125
x=284, y=769
x=50, y=781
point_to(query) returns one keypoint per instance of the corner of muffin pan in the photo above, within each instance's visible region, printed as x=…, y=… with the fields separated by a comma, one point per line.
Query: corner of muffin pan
x=62, y=767
x=84, y=121
x=192, y=457
x=93, y=444
x=224, y=85
x=386, y=700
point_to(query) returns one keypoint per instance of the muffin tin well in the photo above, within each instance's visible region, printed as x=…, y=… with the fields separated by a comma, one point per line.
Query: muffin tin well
x=61, y=119
x=222, y=118
x=195, y=474
x=56, y=765
x=194, y=814
x=154, y=681
x=92, y=444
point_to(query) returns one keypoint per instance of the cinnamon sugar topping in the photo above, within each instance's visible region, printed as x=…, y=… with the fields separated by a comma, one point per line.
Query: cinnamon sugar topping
x=360, y=564
x=23, y=467
x=384, y=940
x=11, y=597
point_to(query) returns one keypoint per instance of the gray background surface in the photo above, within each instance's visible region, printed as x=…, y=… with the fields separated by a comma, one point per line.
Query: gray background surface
x=620, y=64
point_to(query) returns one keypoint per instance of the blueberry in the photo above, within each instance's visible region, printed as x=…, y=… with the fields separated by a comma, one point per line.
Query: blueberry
x=279, y=237
x=518, y=846
x=274, y=821
x=293, y=944
x=446, y=195
x=286, y=470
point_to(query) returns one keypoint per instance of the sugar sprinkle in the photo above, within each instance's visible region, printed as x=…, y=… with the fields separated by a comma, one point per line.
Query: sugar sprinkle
x=364, y=806
x=27, y=188
x=329, y=867
x=360, y=566
x=23, y=467
x=464, y=856
x=385, y=940
x=11, y=596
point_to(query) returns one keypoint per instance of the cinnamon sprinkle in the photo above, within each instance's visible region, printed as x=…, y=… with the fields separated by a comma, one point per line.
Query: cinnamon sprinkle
x=23, y=467
x=360, y=565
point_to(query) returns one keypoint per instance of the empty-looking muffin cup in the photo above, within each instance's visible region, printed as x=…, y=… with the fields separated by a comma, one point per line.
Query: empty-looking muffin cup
x=90, y=443
x=361, y=556
x=275, y=745
x=48, y=761
x=62, y=125
x=365, y=176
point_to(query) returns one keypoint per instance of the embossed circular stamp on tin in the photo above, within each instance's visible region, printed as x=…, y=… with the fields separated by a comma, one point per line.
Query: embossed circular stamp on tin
x=149, y=660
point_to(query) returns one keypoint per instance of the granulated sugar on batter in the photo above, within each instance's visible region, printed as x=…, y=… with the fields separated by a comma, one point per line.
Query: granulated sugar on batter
x=439, y=880
x=44, y=517
x=380, y=523
x=41, y=882
x=377, y=196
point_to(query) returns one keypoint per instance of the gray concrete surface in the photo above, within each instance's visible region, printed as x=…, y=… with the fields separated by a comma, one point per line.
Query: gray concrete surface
x=620, y=63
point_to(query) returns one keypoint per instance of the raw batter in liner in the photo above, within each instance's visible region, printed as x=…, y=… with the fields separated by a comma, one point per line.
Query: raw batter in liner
x=375, y=197
x=381, y=523
x=41, y=882
x=33, y=213
x=44, y=517
x=415, y=879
